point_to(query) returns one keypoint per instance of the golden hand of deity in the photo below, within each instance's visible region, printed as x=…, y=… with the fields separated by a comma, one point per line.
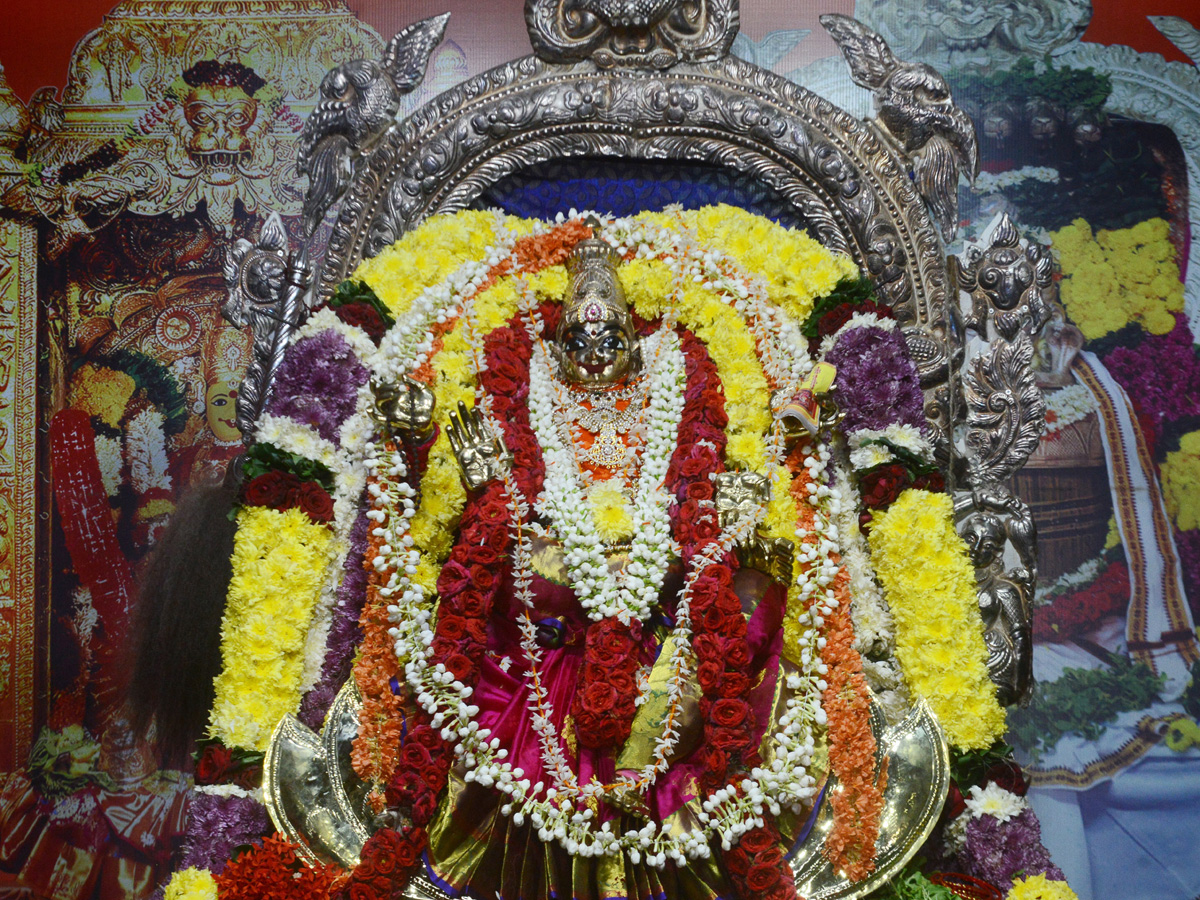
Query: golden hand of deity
x=626, y=797
x=404, y=409
x=740, y=495
x=771, y=556
x=483, y=457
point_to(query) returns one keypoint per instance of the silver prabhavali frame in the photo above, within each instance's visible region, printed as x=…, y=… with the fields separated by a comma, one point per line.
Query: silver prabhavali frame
x=652, y=80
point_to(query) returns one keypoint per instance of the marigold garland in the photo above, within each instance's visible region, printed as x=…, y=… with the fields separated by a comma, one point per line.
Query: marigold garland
x=191, y=884
x=279, y=566
x=939, y=630
x=1039, y=887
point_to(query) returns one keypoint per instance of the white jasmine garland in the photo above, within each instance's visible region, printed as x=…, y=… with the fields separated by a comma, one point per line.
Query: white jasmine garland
x=408, y=343
x=108, y=455
x=322, y=618
x=1067, y=406
x=229, y=790
x=630, y=593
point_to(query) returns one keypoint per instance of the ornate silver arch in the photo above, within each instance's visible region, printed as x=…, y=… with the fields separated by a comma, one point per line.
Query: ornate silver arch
x=849, y=185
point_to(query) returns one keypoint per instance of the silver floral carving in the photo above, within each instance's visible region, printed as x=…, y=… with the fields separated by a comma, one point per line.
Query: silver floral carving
x=846, y=182
x=1004, y=277
x=916, y=113
x=646, y=34
x=1007, y=281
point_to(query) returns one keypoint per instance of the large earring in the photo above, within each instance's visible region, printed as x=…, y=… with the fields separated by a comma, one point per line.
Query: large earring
x=636, y=356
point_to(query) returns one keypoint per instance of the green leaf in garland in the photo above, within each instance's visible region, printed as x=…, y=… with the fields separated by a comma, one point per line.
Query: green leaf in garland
x=911, y=884
x=360, y=292
x=968, y=767
x=848, y=292
x=264, y=457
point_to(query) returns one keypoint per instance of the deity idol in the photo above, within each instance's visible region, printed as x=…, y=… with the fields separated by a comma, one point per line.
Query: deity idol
x=589, y=565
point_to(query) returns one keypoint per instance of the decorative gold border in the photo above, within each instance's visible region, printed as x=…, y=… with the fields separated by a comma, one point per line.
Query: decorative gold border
x=18, y=486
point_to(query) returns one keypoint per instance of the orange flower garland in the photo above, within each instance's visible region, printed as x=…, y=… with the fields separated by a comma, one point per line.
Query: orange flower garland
x=850, y=845
x=376, y=749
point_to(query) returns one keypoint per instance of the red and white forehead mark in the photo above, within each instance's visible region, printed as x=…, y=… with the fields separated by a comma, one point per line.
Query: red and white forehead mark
x=593, y=311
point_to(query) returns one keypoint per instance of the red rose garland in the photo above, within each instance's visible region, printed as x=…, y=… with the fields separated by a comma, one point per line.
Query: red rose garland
x=719, y=632
x=284, y=490
x=1072, y=612
x=273, y=871
x=385, y=864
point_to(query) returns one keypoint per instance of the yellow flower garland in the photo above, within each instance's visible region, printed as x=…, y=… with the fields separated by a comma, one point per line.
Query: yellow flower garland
x=279, y=563
x=1181, y=482
x=191, y=884
x=939, y=631
x=796, y=268
x=1039, y=887
x=1113, y=278
x=427, y=256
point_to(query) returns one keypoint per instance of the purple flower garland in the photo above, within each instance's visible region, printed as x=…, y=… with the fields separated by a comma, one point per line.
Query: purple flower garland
x=344, y=632
x=999, y=851
x=317, y=383
x=877, y=383
x=219, y=825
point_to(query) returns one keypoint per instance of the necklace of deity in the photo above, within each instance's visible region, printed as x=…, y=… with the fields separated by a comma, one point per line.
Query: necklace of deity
x=598, y=412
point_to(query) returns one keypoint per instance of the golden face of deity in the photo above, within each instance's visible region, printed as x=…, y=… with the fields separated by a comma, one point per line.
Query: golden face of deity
x=597, y=353
x=596, y=343
x=220, y=410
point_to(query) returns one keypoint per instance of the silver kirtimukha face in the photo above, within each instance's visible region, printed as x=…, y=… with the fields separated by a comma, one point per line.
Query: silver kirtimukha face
x=595, y=341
